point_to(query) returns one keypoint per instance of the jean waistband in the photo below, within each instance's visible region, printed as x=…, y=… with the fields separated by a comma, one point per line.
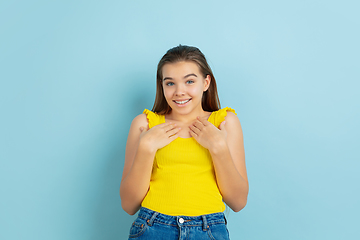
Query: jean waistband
x=204, y=220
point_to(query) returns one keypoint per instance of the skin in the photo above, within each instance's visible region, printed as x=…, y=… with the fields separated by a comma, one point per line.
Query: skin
x=183, y=81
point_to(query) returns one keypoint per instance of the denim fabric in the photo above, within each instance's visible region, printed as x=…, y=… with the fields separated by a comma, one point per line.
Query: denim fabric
x=156, y=226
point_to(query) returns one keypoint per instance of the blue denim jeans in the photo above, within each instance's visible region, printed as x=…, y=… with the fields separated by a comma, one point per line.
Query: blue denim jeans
x=156, y=226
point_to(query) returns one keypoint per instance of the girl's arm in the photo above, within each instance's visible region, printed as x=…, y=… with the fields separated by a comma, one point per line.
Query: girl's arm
x=229, y=163
x=136, y=174
x=141, y=147
x=227, y=151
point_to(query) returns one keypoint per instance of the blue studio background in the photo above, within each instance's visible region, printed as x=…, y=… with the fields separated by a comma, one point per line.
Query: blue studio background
x=75, y=73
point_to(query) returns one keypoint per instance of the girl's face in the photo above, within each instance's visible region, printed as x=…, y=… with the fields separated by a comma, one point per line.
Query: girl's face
x=183, y=85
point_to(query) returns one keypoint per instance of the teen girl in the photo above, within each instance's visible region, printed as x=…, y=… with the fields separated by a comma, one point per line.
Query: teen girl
x=185, y=158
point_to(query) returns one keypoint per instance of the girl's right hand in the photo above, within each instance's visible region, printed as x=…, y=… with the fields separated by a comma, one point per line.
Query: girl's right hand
x=158, y=136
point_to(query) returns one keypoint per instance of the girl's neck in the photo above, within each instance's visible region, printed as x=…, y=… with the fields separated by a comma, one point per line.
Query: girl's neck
x=186, y=118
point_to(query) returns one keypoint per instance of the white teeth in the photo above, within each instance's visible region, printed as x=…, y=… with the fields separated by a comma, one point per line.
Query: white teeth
x=182, y=102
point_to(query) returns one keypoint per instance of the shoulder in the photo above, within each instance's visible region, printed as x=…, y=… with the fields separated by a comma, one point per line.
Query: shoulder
x=217, y=117
x=232, y=123
x=223, y=112
x=153, y=118
x=231, y=117
x=139, y=121
x=146, y=117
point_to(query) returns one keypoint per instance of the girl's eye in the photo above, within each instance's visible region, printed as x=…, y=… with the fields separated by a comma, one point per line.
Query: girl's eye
x=189, y=81
x=169, y=83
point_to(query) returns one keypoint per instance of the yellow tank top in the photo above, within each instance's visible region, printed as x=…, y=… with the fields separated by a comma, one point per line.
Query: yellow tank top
x=183, y=180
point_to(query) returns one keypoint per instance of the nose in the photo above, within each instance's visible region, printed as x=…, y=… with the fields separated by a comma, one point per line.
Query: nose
x=180, y=91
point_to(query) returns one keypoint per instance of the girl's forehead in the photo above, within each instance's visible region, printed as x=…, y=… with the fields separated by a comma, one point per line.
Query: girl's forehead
x=180, y=68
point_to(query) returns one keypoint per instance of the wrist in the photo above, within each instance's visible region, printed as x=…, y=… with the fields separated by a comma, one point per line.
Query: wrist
x=219, y=149
x=145, y=147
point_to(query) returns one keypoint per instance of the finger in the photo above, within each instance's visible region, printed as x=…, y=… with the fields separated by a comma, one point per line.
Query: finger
x=222, y=125
x=174, y=136
x=173, y=131
x=143, y=129
x=198, y=125
x=169, y=127
x=194, y=129
x=163, y=125
x=166, y=124
x=194, y=135
x=203, y=121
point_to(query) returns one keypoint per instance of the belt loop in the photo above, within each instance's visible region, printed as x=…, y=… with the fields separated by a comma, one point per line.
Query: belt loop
x=225, y=220
x=205, y=226
x=151, y=221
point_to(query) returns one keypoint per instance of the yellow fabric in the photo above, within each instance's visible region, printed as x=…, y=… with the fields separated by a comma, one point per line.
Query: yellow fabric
x=183, y=179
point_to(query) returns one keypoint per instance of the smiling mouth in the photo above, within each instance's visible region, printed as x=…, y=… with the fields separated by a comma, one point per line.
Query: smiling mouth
x=182, y=102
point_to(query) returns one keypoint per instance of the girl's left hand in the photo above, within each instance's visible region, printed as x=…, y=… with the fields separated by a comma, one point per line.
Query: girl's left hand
x=207, y=135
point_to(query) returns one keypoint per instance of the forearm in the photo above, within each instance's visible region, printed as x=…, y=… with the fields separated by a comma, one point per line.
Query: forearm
x=135, y=185
x=233, y=187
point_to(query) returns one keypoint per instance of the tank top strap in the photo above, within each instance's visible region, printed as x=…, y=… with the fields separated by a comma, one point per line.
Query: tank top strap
x=217, y=117
x=154, y=118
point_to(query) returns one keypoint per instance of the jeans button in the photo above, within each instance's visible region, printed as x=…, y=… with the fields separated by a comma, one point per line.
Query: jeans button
x=181, y=220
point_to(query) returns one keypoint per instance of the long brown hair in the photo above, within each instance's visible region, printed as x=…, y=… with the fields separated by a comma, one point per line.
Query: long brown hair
x=210, y=100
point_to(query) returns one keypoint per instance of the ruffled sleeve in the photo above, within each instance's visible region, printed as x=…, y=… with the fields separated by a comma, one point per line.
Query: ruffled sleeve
x=218, y=117
x=153, y=118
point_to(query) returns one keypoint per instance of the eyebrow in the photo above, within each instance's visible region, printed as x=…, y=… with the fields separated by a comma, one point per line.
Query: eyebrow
x=189, y=75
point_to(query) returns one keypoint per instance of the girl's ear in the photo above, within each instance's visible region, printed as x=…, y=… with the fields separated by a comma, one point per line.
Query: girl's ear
x=207, y=82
